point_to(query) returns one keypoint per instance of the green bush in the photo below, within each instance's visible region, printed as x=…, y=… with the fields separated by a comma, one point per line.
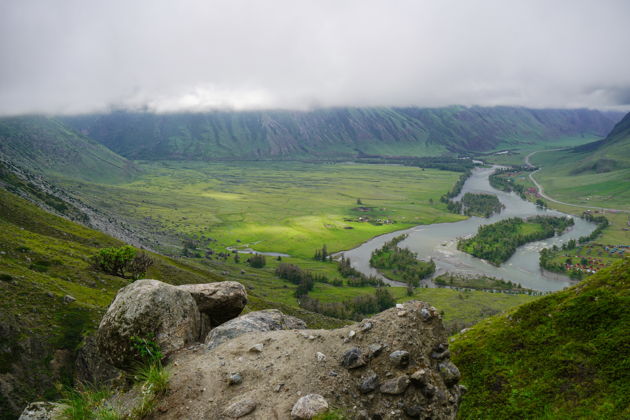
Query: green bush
x=257, y=261
x=119, y=261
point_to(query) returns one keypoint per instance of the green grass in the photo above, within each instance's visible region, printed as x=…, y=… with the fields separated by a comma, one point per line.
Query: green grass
x=564, y=355
x=287, y=207
x=560, y=181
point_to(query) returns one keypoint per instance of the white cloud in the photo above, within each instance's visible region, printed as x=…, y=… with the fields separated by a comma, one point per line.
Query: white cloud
x=72, y=56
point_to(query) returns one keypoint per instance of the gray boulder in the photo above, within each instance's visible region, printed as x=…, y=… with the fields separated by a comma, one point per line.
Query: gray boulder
x=218, y=302
x=308, y=407
x=259, y=321
x=149, y=309
x=42, y=411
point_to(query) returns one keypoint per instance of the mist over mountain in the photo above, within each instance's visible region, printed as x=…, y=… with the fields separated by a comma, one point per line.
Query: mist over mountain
x=335, y=132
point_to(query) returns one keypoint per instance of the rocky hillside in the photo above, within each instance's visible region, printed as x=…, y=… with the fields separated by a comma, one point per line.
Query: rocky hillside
x=52, y=298
x=334, y=133
x=566, y=355
x=266, y=365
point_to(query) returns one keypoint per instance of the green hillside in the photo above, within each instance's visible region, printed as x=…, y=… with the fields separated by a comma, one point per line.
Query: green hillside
x=336, y=133
x=564, y=356
x=45, y=145
x=595, y=174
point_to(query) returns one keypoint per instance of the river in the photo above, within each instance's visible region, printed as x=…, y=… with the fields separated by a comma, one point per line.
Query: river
x=439, y=241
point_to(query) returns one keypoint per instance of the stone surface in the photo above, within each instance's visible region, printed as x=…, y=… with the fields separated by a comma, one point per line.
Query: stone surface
x=449, y=372
x=235, y=379
x=308, y=407
x=42, y=411
x=369, y=383
x=147, y=309
x=219, y=301
x=395, y=386
x=399, y=358
x=288, y=369
x=353, y=359
x=240, y=408
x=258, y=321
x=256, y=348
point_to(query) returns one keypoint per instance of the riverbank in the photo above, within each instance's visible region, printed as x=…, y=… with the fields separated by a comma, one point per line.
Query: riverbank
x=438, y=241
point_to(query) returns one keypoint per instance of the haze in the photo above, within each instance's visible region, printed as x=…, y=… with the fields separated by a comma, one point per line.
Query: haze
x=82, y=56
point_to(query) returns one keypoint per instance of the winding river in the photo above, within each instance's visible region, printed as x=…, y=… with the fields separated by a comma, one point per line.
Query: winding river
x=439, y=241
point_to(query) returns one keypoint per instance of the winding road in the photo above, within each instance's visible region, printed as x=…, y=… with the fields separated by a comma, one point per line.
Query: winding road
x=541, y=190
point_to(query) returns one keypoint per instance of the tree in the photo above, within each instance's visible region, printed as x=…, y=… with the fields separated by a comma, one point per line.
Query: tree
x=139, y=265
x=116, y=261
x=257, y=261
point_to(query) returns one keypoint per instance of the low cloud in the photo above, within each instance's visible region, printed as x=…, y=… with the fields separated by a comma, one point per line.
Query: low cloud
x=76, y=56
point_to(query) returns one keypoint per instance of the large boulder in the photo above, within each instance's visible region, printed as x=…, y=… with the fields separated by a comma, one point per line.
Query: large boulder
x=148, y=309
x=218, y=302
x=404, y=372
x=258, y=321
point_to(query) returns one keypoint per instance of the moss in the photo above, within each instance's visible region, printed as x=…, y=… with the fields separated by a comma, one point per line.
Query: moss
x=562, y=356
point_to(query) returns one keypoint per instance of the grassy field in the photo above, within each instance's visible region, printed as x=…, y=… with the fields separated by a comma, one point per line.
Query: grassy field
x=518, y=151
x=286, y=207
x=606, y=189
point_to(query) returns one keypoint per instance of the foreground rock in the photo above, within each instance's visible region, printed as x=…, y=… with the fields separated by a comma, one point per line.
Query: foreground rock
x=42, y=411
x=288, y=380
x=147, y=309
x=217, y=302
x=308, y=407
x=259, y=321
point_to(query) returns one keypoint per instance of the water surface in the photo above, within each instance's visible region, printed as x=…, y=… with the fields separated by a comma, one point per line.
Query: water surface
x=439, y=241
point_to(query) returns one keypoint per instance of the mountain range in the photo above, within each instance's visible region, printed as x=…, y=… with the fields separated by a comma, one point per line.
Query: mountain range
x=336, y=133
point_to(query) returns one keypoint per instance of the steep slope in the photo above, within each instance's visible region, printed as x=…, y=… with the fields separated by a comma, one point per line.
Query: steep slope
x=43, y=259
x=45, y=145
x=609, y=154
x=566, y=355
x=334, y=133
x=595, y=174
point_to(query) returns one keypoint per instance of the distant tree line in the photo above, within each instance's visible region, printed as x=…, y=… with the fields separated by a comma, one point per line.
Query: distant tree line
x=322, y=254
x=482, y=205
x=355, y=278
x=504, y=184
x=401, y=264
x=601, y=222
x=434, y=162
x=456, y=206
x=357, y=308
x=498, y=241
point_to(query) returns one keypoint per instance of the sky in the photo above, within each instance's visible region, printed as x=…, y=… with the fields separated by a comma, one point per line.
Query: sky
x=83, y=56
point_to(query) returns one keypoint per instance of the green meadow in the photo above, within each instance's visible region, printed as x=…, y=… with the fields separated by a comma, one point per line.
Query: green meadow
x=561, y=181
x=287, y=207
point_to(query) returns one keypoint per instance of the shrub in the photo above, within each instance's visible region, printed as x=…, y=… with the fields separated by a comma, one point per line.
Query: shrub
x=118, y=261
x=257, y=261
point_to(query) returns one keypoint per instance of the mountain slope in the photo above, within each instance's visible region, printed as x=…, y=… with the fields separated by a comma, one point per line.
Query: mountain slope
x=334, y=133
x=594, y=174
x=609, y=154
x=565, y=355
x=45, y=145
x=43, y=258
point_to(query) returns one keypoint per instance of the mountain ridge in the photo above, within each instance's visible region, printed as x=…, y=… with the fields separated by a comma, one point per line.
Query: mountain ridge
x=334, y=133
